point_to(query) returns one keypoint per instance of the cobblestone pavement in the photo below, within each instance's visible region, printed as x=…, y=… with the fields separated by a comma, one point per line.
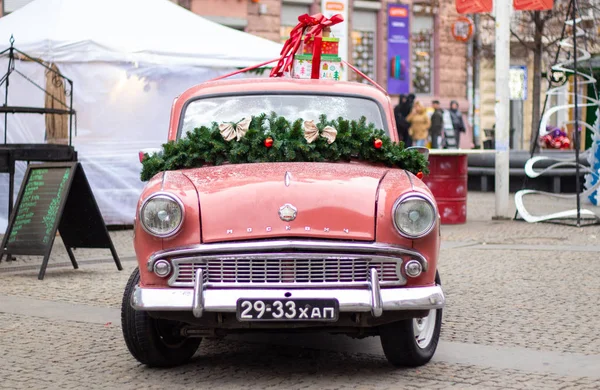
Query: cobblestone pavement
x=531, y=286
x=75, y=355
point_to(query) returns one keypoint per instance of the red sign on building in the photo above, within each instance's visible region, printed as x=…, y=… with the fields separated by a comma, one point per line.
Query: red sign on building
x=484, y=6
x=475, y=6
x=533, y=5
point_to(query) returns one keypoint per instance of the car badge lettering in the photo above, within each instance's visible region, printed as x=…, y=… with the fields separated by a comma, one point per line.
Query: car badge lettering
x=288, y=228
x=288, y=213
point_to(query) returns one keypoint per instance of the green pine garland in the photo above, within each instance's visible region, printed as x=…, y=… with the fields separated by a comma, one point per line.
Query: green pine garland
x=354, y=140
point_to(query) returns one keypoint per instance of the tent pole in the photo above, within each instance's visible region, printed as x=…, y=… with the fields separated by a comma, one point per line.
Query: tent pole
x=10, y=60
x=71, y=113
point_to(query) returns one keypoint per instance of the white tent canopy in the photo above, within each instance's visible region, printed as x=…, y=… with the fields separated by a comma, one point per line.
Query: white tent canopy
x=128, y=60
x=137, y=31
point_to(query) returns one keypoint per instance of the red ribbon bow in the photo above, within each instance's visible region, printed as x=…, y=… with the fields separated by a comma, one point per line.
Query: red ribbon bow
x=316, y=23
x=320, y=22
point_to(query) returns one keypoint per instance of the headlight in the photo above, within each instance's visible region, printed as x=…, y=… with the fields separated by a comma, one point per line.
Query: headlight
x=414, y=216
x=162, y=215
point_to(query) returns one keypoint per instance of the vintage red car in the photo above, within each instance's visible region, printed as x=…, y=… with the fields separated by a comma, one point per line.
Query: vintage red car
x=346, y=247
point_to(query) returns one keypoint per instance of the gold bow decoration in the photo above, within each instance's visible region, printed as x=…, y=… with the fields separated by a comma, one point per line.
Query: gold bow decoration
x=231, y=130
x=311, y=132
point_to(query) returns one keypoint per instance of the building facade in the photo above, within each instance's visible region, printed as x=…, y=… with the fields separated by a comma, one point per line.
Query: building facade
x=439, y=62
x=438, y=65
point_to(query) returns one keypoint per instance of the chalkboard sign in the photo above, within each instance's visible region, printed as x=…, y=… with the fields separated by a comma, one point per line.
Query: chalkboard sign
x=55, y=196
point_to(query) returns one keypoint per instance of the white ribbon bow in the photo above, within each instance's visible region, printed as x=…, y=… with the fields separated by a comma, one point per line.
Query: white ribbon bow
x=311, y=132
x=231, y=130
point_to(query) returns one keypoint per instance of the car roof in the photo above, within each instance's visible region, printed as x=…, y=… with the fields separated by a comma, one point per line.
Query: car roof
x=250, y=85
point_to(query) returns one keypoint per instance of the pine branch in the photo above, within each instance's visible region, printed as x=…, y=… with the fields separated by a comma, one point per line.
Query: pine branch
x=355, y=140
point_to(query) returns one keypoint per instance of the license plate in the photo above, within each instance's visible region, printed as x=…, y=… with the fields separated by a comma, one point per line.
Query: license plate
x=287, y=309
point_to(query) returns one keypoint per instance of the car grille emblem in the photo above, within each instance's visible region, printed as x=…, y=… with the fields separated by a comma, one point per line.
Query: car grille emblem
x=287, y=212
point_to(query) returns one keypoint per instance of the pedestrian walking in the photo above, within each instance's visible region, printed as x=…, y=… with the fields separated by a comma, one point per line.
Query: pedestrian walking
x=457, y=121
x=437, y=125
x=419, y=124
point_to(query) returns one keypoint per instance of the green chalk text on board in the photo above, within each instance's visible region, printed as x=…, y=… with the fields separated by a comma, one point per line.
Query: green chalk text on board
x=38, y=209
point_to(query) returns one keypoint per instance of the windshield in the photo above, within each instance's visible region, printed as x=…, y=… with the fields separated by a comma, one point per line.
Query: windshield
x=203, y=112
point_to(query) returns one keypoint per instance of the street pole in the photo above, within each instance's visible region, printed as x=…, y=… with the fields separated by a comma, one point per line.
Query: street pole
x=476, y=72
x=470, y=101
x=502, y=11
x=576, y=133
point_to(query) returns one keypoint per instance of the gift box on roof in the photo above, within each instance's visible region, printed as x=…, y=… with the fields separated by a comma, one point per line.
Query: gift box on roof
x=310, y=31
x=330, y=67
x=329, y=46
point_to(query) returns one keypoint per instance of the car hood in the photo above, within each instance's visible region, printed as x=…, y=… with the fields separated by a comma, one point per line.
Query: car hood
x=250, y=201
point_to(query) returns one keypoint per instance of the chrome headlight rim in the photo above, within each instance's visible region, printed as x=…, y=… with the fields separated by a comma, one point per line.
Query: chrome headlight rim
x=410, y=196
x=162, y=195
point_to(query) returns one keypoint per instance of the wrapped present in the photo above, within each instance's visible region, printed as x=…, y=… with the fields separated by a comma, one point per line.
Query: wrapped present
x=330, y=67
x=310, y=29
x=329, y=46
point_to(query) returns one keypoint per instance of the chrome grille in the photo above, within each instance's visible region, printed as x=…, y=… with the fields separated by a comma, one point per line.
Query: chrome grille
x=273, y=270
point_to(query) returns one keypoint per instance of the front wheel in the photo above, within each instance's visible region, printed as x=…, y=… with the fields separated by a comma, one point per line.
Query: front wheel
x=412, y=342
x=153, y=342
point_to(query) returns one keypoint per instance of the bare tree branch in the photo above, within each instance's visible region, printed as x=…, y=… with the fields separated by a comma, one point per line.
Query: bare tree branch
x=528, y=46
x=514, y=34
x=548, y=16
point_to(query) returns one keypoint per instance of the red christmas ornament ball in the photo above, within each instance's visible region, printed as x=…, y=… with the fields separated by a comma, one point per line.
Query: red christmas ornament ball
x=420, y=175
x=269, y=142
x=377, y=143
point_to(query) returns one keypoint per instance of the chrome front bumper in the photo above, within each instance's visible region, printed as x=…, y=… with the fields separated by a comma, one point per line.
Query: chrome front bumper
x=372, y=299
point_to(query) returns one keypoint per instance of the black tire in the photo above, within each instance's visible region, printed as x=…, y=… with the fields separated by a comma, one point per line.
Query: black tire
x=399, y=344
x=153, y=342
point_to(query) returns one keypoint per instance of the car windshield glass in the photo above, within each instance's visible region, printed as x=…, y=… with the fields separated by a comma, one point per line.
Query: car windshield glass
x=203, y=112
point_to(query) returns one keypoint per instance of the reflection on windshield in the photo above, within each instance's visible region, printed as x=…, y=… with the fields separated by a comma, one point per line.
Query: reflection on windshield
x=204, y=112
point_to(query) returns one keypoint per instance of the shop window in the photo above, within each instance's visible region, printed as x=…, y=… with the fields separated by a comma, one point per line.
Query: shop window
x=422, y=54
x=364, y=43
x=289, y=18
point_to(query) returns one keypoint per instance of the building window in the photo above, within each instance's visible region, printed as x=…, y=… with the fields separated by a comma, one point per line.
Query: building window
x=289, y=18
x=364, y=43
x=422, y=53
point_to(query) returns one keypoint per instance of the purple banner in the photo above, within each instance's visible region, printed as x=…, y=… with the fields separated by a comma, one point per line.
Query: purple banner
x=398, y=50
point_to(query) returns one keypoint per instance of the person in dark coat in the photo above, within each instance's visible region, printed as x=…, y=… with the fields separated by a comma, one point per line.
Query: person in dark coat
x=410, y=100
x=402, y=124
x=457, y=121
x=401, y=111
x=437, y=124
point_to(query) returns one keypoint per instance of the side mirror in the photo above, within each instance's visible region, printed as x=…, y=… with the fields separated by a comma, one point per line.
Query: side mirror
x=421, y=149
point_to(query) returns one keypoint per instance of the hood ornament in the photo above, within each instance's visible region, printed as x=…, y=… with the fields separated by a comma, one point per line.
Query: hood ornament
x=287, y=212
x=287, y=178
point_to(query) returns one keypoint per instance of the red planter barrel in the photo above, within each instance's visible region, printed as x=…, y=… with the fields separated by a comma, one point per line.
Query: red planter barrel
x=447, y=181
